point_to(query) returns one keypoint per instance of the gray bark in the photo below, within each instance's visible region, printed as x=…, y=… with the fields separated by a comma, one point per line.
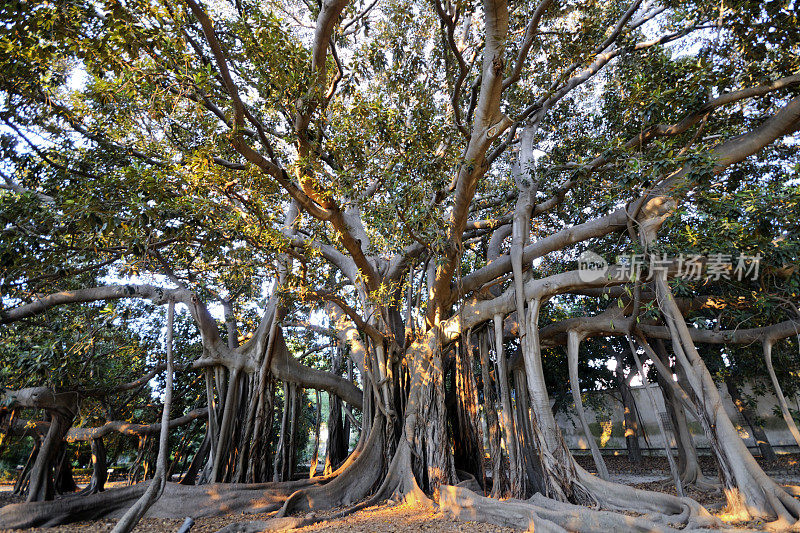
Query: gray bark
x=159, y=481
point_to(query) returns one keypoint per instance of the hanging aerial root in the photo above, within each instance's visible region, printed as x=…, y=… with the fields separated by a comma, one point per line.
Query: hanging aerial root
x=398, y=484
x=351, y=485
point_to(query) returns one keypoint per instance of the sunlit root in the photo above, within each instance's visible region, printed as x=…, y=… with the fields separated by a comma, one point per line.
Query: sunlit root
x=351, y=485
x=275, y=524
x=663, y=507
x=544, y=514
x=463, y=504
x=178, y=501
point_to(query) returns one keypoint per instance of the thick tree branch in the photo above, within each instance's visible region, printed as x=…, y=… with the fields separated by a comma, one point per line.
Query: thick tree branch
x=128, y=428
x=784, y=122
x=488, y=125
x=206, y=323
x=527, y=42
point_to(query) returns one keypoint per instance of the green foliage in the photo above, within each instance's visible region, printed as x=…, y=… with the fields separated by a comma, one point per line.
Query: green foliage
x=120, y=135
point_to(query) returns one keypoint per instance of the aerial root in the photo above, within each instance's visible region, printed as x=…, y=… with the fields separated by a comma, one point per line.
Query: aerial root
x=398, y=484
x=786, y=508
x=353, y=484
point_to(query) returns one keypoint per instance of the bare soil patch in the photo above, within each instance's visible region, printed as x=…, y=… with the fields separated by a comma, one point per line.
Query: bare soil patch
x=389, y=517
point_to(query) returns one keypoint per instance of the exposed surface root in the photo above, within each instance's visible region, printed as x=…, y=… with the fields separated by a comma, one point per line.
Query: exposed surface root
x=350, y=486
x=468, y=481
x=702, y=482
x=782, y=507
x=547, y=515
x=694, y=476
x=399, y=483
x=275, y=524
x=666, y=507
x=361, y=476
x=761, y=497
x=464, y=504
x=178, y=501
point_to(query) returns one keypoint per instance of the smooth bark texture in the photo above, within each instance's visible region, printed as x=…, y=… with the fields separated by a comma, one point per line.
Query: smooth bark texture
x=573, y=344
x=421, y=436
x=630, y=412
x=159, y=481
x=750, y=418
x=787, y=416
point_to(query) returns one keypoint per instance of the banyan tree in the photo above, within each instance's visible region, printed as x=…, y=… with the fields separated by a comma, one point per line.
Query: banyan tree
x=388, y=203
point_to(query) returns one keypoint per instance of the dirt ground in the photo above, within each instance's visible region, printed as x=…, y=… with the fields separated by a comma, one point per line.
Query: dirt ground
x=383, y=518
x=652, y=474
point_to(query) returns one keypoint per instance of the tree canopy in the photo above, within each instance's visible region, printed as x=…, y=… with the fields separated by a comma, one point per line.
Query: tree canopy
x=391, y=201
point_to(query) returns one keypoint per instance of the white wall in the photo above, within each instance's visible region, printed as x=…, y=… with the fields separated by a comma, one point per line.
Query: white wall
x=774, y=426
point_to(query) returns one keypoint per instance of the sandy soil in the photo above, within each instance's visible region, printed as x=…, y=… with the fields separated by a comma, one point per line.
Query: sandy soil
x=652, y=474
x=384, y=518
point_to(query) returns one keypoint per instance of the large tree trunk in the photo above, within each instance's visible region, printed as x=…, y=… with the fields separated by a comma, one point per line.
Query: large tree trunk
x=751, y=419
x=259, y=451
x=41, y=485
x=630, y=412
x=336, y=447
x=63, y=482
x=499, y=472
x=425, y=423
x=749, y=491
x=467, y=435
